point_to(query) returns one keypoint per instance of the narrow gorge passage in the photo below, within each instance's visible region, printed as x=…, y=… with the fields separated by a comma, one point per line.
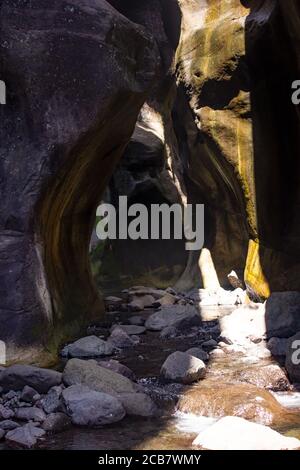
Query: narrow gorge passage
x=136, y=341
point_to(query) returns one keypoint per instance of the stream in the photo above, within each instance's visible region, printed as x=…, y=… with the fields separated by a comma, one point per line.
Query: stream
x=176, y=429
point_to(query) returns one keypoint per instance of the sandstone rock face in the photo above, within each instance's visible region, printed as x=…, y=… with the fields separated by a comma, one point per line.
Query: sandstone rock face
x=271, y=377
x=277, y=346
x=214, y=399
x=283, y=314
x=232, y=433
x=225, y=60
x=66, y=123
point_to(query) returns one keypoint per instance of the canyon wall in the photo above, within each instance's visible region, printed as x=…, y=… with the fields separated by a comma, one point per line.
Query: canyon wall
x=77, y=74
x=196, y=96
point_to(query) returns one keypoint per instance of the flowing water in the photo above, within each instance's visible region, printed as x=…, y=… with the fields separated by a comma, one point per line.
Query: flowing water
x=174, y=430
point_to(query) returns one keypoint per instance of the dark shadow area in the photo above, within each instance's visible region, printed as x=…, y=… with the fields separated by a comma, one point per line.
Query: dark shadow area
x=272, y=55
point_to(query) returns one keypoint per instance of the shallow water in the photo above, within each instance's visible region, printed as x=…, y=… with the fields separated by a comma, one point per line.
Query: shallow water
x=173, y=430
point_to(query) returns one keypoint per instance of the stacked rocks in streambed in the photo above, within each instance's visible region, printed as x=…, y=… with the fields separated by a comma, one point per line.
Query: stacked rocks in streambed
x=35, y=401
x=127, y=395
x=24, y=389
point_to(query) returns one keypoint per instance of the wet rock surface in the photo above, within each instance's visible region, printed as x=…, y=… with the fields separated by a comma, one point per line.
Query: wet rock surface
x=88, y=407
x=151, y=380
x=233, y=433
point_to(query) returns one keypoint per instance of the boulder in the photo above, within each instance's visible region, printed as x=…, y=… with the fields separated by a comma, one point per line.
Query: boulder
x=292, y=361
x=270, y=377
x=56, y=422
x=216, y=353
x=209, y=344
x=233, y=433
x=32, y=413
x=88, y=407
x=178, y=316
x=17, y=376
x=121, y=340
x=116, y=366
x=138, y=404
x=167, y=299
x=169, y=332
x=137, y=320
x=141, y=291
x=52, y=401
x=9, y=425
x=26, y=436
x=277, y=346
x=234, y=280
x=130, y=329
x=140, y=302
x=2, y=433
x=28, y=394
x=89, y=346
x=78, y=372
x=5, y=413
x=199, y=353
x=283, y=314
x=183, y=368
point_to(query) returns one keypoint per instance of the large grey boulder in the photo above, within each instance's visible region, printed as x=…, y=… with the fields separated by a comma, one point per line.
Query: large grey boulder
x=116, y=366
x=292, y=362
x=26, y=436
x=88, y=407
x=32, y=413
x=89, y=373
x=278, y=346
x=17, y=376
x=283, y=314
x=183, y=368
x=233, y=433
x=89, y=346
x=178, y=316
x=51, y=402
x=138, y=404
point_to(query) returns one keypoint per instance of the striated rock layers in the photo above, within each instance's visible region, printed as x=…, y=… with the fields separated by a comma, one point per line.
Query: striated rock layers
x=77, y=74
x=201, y=91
